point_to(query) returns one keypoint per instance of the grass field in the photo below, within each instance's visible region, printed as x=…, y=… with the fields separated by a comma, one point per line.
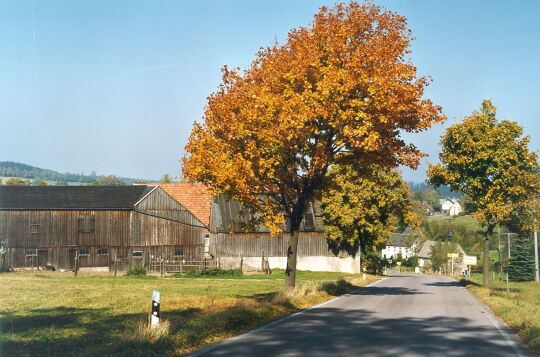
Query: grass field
x=519, y=307
x=57, y=314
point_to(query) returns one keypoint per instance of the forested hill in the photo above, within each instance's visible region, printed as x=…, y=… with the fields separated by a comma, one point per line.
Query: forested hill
x=444, y=191
x=16, y=169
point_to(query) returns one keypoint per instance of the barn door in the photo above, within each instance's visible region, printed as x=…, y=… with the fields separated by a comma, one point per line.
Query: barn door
x=71, y=258
x=43, y=256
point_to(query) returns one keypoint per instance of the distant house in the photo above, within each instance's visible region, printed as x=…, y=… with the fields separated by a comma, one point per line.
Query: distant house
x=399, y=243
x=451, y=206
x=425, y=256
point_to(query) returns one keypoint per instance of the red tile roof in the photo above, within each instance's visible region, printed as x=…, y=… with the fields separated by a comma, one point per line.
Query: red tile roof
x=196, y=198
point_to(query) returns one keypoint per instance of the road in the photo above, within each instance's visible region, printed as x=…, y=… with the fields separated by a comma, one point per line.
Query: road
x=399, y=316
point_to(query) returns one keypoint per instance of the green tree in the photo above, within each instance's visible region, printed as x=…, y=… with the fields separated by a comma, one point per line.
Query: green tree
x=521, y=262
x=110, y=180
x=15, y=181
x=439, y=255
x=361, y=212
x=432, y=197
x=489, y=161
x=39, y=182
x=166, y=179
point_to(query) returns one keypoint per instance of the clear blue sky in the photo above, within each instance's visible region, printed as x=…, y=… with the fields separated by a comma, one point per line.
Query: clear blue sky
x=115, y=86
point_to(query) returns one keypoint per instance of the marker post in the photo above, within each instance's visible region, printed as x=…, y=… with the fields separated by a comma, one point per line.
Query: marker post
x=154, y=318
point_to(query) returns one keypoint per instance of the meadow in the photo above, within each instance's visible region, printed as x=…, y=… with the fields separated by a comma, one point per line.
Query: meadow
x=518, y=306
x=57, y=314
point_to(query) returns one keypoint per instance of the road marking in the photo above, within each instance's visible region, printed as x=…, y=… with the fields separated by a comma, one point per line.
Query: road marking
x=234, y=338
x=506, y=336
x=497, y=323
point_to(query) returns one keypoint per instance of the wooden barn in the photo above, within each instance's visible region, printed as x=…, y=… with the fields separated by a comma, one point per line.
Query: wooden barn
x=233, y=243
x=101, y=225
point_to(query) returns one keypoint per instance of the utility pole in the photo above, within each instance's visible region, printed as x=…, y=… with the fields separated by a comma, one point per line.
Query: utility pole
x=536, y=254
x=537, y=268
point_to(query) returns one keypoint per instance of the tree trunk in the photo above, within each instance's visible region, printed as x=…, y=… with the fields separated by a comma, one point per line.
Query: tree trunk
x=290, y=271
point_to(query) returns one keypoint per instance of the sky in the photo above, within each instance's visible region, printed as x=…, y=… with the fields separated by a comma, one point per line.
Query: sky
x=115, y=86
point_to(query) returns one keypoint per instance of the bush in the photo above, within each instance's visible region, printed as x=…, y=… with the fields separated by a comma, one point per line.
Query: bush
x=374, y=264
x=214, y=272
x=137, y=270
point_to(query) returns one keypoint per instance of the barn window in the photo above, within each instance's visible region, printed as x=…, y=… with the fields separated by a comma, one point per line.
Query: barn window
x=31, y=253
x=178, y=252
x=87, y=224
x=137, y=254
x=102, y=251
x=309, y=219
x=83, y=251
x=34, y=228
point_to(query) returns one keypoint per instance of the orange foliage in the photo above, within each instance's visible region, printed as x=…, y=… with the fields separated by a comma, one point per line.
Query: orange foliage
x=340, y=91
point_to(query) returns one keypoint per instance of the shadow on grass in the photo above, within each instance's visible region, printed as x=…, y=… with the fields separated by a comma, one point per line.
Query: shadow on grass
x=67, y=331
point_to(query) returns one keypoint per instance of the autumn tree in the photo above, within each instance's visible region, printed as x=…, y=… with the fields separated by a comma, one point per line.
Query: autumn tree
x=16, y=181
x=360, y=212
x=340, y=91
x=488, y=161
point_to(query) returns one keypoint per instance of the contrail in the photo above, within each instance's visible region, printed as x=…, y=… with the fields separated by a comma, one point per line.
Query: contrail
x=158, y=67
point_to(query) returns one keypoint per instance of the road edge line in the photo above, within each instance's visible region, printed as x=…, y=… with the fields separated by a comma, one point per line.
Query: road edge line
x=270, y=324
x=498, y=322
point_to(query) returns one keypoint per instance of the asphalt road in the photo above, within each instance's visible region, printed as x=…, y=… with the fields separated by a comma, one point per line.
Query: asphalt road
x=399, y=316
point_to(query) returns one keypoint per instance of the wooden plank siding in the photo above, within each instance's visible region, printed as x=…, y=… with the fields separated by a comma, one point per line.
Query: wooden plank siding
x=254, y=244
x=157, y=225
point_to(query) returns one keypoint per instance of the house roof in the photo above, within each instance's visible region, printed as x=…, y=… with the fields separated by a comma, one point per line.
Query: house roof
x=425, y=251
x=71, y=197
x=399, y=239
x=195, y=197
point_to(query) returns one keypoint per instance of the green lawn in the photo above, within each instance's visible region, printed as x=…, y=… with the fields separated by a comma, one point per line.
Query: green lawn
x=46, y=313
x=519, y=307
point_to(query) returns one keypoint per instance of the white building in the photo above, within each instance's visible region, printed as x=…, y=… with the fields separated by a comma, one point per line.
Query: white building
x=451, y=206
x=398, y=243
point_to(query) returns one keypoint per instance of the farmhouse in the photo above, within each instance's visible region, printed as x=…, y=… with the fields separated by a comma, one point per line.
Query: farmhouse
x=451, y=206
x=425, y=256
x=399, y=243
x=100, y=225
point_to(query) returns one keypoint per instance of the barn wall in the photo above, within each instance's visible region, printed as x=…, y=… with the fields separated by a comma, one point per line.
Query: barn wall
x=158, y=228
x=254, y=244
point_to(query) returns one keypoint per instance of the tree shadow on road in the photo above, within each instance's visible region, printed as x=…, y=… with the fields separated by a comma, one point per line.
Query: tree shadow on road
x=344, y=332
x=381, y=290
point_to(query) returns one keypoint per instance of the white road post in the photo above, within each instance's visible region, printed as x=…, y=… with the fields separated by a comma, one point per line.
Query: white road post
x=154, y=318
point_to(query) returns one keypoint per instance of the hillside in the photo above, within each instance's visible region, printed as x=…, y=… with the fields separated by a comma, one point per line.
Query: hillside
x=16, y=169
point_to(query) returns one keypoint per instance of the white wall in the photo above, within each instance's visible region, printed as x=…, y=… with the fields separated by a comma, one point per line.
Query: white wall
x=393, y=251
x=317, y=263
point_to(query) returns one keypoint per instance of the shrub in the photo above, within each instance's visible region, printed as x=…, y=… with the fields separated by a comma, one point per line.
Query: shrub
x=215, y=272
x=137, y=270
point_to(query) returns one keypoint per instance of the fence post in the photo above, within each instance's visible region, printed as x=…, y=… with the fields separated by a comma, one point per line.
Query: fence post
x=507, y=287
x=161, y=267
x=115, y=264
x=76, y=262
x=242, y=262
x=262, y=261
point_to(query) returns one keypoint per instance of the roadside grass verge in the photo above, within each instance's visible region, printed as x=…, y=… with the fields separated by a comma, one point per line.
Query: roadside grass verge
x=519, y=307
x=57, y=314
